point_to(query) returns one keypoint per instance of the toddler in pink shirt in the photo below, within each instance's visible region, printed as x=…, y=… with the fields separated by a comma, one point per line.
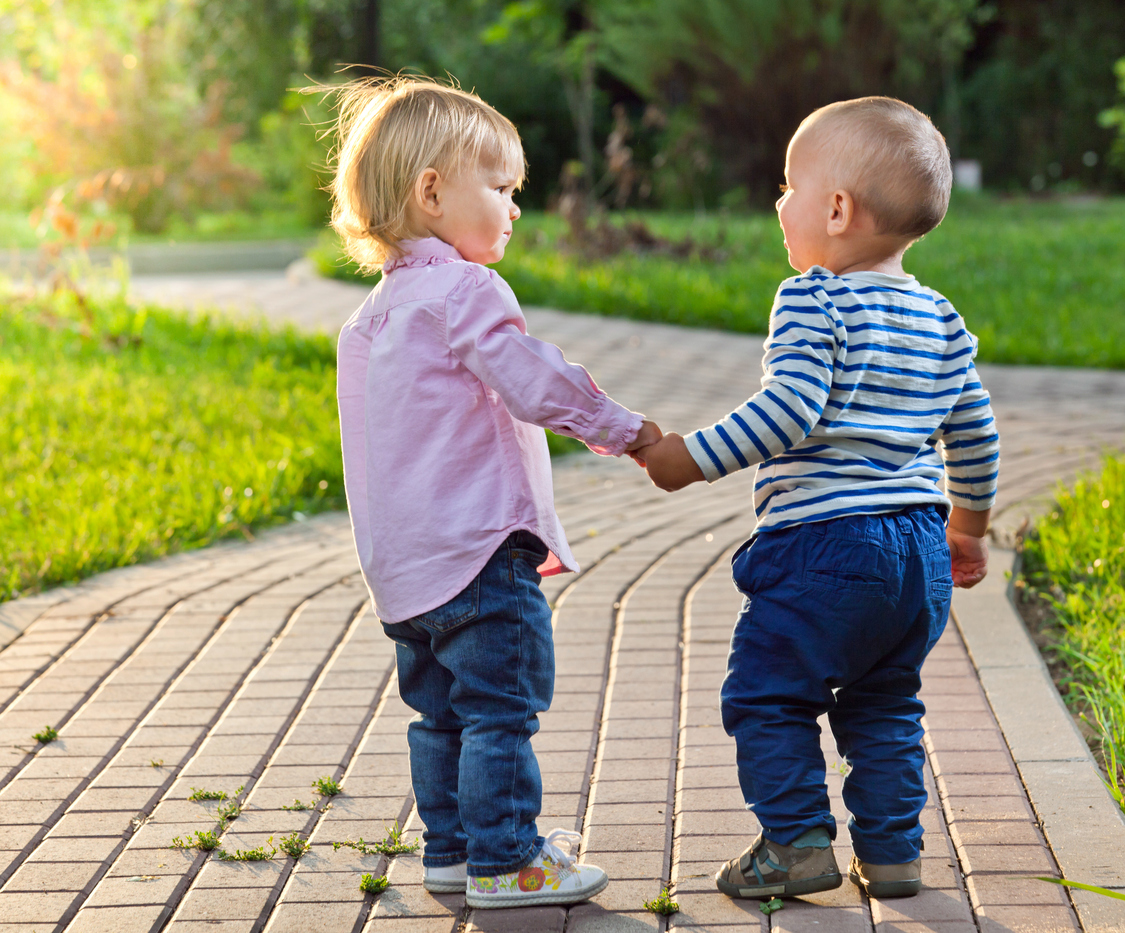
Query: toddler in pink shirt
x=443, y=400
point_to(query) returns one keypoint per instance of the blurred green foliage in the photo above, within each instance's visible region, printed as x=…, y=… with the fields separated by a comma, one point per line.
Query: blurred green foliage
x=707, y=94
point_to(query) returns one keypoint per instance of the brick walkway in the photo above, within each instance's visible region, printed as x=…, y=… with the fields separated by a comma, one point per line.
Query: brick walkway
x=260, y=665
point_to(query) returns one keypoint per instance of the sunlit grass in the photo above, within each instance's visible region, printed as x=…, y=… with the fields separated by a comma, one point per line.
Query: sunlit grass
x=1039, y=282
x=127, y=434
x=1076, y=559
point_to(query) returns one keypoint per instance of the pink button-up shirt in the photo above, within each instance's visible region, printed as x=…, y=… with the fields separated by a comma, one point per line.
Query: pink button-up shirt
x=443, y=398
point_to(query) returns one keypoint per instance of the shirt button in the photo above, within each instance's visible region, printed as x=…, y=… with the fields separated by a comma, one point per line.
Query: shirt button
x=604, y=435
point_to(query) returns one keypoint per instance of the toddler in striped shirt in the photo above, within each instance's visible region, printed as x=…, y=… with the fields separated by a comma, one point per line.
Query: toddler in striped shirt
x=869, y=400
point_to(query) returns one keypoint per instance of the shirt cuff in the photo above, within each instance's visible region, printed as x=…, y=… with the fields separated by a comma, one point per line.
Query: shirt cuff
x=712, y=469
x=613, y=428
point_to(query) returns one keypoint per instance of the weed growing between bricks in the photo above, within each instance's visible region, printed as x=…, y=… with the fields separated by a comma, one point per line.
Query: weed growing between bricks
x=326, y=786
x=48, y=735
x=257, y=854
x=662, y=904
x=392, y=844
x=294, y=846
x=369, y=884
x=205, y=840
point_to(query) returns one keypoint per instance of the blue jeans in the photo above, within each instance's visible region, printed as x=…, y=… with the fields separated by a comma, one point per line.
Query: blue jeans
x=478, y=671
x=838, y=618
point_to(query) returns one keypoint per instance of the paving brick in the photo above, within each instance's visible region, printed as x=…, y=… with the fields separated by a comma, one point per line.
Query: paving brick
x=540, y=919
x=1007, y=890
x=1023, y=859
x=291, y=917
x=1036, y=919
x=1002, y=832
x=592, y=918
x=133, y=891
x=17, y=812
x=223, y=904
x=928, y=905
x=116, y=919
x=34, y=907
x=716, y=908
x=648, y=814
x=41, y=789
x=52, y=876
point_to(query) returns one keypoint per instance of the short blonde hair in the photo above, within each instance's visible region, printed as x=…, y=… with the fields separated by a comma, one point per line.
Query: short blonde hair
x=389, y=131
x=889, y=157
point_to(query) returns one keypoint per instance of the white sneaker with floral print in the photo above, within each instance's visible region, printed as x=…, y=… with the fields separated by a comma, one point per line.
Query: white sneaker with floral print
x=553, y=877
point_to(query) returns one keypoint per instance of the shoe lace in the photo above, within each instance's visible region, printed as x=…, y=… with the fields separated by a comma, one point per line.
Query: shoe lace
x=571, y=838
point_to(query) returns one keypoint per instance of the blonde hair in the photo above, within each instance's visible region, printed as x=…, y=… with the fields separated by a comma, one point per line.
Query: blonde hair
x=389, y=130
x=889, y=157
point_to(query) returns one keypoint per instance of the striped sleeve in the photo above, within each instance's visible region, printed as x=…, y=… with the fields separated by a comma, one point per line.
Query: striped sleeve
x=971, y=448
x=799, y=359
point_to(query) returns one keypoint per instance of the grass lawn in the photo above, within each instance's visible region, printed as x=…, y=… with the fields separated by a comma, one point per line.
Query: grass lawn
x=129, y=433
x=1039, y=282
x=1074, y=561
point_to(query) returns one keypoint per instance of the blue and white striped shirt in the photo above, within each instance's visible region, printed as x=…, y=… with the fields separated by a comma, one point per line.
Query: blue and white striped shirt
x=865, y=375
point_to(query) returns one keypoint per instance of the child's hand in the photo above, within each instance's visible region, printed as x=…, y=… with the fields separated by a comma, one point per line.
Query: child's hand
x=965, y=536
x=669, y=464
x=970, y=557
x=648, y=435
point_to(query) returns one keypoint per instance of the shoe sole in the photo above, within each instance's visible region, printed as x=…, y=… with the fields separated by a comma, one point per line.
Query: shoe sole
x=883, y=889
x=443, y=887
x=489, y=901
x=788, y=889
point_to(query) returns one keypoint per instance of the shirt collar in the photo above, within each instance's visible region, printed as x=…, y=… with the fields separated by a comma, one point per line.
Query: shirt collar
x=425, y=252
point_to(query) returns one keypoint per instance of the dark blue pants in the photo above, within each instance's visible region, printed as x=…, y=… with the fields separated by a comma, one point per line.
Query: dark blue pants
x=838, y=618
x=478, y=670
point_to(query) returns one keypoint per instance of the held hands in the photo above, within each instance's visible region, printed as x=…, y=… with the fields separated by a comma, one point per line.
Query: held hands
x=648, y=435
x=669, y=465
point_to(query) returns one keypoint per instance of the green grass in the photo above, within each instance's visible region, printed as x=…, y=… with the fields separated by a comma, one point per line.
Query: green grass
x=128, y=433
x=1039, y=282
x=1075, y=559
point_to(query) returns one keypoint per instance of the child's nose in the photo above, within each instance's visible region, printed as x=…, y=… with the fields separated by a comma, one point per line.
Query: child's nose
x=514, y=211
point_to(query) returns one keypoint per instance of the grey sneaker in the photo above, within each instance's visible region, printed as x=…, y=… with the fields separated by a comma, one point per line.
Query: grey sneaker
x=903, y=880
x=445, y=879
x=767, y=869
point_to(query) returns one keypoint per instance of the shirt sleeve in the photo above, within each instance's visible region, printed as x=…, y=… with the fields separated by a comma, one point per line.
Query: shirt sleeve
x=799, y=360
x=487, y=332
x=971, y=447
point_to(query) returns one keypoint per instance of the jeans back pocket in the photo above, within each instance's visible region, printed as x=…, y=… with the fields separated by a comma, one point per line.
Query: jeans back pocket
x=462, y=608
x=854, y=584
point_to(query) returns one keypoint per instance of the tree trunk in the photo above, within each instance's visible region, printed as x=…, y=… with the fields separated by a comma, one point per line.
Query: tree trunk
x=369, y=52
x=580, y=102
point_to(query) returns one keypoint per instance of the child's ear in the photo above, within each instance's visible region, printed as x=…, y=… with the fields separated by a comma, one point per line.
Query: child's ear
x=427, y=192
x=841, y=212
